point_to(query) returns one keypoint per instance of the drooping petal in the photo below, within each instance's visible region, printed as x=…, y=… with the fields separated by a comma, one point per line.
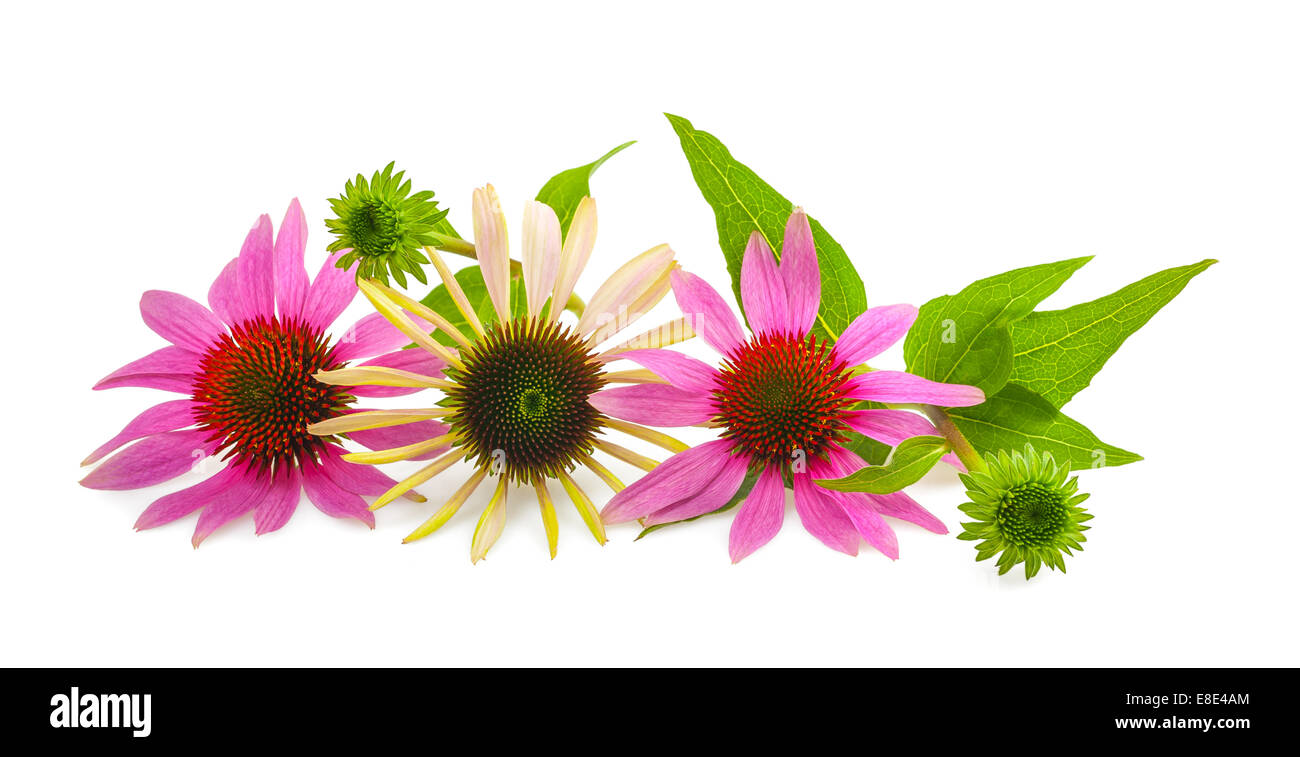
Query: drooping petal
x=802, y=274
x=873, y=332
x=180, y=320
x=170, y=368
x=760, y=516
x=900, y=505
x=372, y=335
x=654, y=405
x=899, y=387
x=492, y=244
x=331, y=292
x=541, y=255
x=331, y=499
x=257, y=270
x=762, y=290
x=578, y=244
x=244, y=494
x=226, y=299
x=614, y=302
x=365, y=480
x=291, y=283
x=415, y=361
x=168, y=416
x=682, y=371
x=169, y=507
x=279, y=502
x=707, y=313
x=823, y=517
x=723, y=483
x=868, y=522
x=393, y=437
x=151, y=460
x=680, y=476
x=490, y=524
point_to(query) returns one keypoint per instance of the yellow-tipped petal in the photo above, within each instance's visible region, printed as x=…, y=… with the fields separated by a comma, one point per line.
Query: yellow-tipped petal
x=425, y=312
x=585, y=508
x=444, y=513
x=603, y=472
x=673, y=332
x=541, y=254
x=369, y=419
x=628, y=283
x=377, y=375
x=626, y=455
x=548, y=514
x=634, y=376
x=578, y=244
x=396, y=316
x=490, y=524
x=420, y=476
x=648, y=434
x=457, y=293
x=493, y=245
x=379, y=457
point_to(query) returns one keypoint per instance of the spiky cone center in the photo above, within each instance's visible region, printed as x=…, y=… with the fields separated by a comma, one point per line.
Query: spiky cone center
x=255, y=392
x=1026, y=509
x=780, y=395
x=520, y=403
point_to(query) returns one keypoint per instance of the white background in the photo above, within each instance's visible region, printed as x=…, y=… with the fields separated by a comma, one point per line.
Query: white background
x=938, y=143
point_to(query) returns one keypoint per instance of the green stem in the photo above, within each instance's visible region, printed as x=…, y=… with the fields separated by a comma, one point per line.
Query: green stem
x=960, y=445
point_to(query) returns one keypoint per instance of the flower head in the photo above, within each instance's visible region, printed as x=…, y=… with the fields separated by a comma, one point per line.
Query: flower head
x=518, y=388
x=1025, y=509
x=382, y=227
x=784, y=402
x=245, y=370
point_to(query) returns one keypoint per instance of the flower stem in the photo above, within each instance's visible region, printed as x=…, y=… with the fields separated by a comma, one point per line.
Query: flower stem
x=960, y=445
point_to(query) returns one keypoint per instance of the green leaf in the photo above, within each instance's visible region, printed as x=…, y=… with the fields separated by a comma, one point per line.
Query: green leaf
x=912, y=459
x=566, y=189
x=745, y=487
x=1057, y=352
x=470, y=280
x=965, y=338
x=1017, y=416
x=743, y=203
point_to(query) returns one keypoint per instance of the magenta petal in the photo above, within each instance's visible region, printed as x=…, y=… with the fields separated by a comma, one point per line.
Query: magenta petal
x=392, y=437
x=868, y=522
x=760, y=516
x=365, y=480
x=279, y=502
x=654, y=405
x=683, y=475
x=706, y=311
x=899, y=505
x=330, y=293
x=682, y=371
x=332, y=500
x=151, y=460
x=168, y=416
x=225, y=297
x=372, y=335
x=244, y=494
x=288, y=268
x=168, y=508
x=799, y=268
x=256, y=270
x=889, y=426
x=896, y=386
x=180, y=320
x=170, y=368
x=823, y=517
x=762, y=290
x=724, y=484
x=413, y=360
x=873, y=332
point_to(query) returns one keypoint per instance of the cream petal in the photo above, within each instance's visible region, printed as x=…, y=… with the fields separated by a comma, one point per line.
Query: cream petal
x=578, y=244
x=493, y=246
x=541, y=255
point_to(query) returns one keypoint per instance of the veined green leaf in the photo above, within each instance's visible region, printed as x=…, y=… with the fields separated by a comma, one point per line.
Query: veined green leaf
x=1016, y=416
x=965, y=338
x=745, y=487
x=1057, y=352
x=743, y=203
x=911, y=460
x=566, y=189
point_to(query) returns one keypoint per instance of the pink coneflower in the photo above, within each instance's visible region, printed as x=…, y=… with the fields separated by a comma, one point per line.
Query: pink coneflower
x=784, y=401
x=246, y=365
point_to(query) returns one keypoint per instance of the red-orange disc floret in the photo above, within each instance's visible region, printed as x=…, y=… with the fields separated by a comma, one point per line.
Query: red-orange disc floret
x=256, y=393
x=779, y=395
